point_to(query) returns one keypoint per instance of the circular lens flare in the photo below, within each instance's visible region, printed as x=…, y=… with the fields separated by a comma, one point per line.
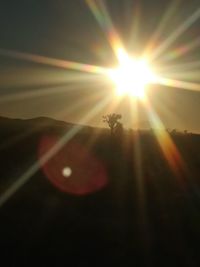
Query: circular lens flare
x=67, y=172
x=74, y=169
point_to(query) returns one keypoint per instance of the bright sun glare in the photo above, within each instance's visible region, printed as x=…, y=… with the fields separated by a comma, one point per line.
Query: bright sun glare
x=132, y=76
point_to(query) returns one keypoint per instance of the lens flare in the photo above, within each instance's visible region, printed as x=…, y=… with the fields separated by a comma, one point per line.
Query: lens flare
x=168, y=147
x=132, y=76
x=67, y=172
x=88, y=175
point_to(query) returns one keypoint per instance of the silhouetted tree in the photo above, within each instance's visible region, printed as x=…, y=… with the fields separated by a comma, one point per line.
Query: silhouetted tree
x=174, y=131
x=112, y=121
x=118, y=130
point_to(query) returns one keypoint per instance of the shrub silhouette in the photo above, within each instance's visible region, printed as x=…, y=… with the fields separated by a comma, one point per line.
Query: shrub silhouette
x=118, y=130
x=112, y=121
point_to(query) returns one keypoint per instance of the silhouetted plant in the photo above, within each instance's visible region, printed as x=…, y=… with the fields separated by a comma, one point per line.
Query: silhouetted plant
x=112, y=121
x=174, y=131
x=118, y=130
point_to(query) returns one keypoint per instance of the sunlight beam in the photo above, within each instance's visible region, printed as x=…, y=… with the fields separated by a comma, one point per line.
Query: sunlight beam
x=64, y=64
x=191, y=65
x=102, y=16
x=181, y=50
x=165, y=19
x=179, y=84
x=177, y=33
x=46, y=157
x=134, y=32
x=38, y=91
x=166, y=143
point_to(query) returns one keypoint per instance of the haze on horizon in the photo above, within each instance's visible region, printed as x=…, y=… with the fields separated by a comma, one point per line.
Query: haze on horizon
x=68, y=31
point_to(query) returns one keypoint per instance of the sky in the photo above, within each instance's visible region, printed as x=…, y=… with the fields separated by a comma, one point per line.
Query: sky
x=70, y=31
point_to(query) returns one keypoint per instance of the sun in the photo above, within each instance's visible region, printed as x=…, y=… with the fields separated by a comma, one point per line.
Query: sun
x=132, y=76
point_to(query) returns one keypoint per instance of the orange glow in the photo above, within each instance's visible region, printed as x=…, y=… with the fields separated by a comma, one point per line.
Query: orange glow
x=167, y=145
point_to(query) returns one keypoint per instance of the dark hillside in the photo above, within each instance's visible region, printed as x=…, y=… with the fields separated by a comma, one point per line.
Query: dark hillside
x=100, y=200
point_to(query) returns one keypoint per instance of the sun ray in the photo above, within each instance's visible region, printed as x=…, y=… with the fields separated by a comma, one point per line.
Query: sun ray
x=38, y=91
x=64, y=64
x=181, y=50
x=60, y=113
x=135, y=28
x=138, y=172
x=40, y=76
x=179, y=84
x=176, y=34
x=165, y=19
x=190, y=76
x=166, y=143
x=191, y=65
x=55, y=149
x=102, y=16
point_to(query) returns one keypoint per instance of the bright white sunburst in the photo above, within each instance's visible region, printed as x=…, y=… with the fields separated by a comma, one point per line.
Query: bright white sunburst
x=131, y=76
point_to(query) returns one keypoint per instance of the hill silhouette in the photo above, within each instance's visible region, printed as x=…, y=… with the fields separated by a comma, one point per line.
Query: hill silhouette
x=100, y=200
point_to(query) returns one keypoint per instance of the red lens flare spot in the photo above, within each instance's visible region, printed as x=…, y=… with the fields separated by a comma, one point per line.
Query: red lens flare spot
x=74, y=169
x=67, y=172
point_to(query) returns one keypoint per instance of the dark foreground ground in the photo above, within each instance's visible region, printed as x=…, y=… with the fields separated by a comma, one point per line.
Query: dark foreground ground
x=121, y=206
